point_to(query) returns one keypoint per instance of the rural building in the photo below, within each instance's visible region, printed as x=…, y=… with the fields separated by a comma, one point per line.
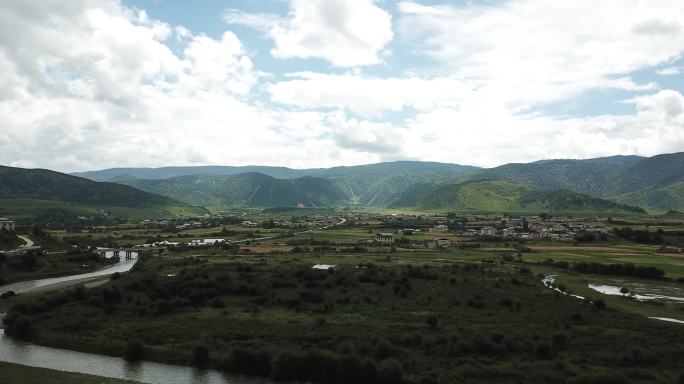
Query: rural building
x=597, y=230
x=441, y=242
x=324, y=267
x=6, y=224
x=205, y=242
x=439, y=228
x=488, y=231
x=248, y=223
x=384, y=238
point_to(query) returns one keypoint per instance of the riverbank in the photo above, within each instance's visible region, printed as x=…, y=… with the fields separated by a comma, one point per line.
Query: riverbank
x=101, y=368
x=20, y=374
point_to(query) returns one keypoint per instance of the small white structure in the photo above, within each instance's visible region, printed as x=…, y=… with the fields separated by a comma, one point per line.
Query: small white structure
x=324, y=267
x=487, y=231
x=6, y=224
x=441, y=242
x=384, y=238
x=248, y=223
x=205, y=242
x=439, y=228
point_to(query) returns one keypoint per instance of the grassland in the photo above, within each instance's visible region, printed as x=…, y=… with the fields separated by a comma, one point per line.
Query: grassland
x=19, y=374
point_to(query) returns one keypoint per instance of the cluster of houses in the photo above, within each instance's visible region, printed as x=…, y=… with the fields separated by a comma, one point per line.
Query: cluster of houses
x=385, y=238
x=189, y=225
x=312, y=221
x=562, y=231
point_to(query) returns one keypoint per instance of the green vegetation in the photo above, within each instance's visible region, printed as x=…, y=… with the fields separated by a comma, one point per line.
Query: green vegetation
x=9, y=240
x=654, y=183
x=505, y=196
x=19, y=374
x=246, y=189
x=399, y=317
x=30, y=193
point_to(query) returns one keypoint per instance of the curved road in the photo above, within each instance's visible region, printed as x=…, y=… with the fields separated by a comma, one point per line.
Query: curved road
x=29, y=242
x=66, y=281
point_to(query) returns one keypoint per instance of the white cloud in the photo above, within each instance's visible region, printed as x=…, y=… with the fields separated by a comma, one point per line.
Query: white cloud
x=89, y=84
x=489, y=136
x=93, y=85
x=346, y=33
x=670, y=71
x=533, y=52
x=368, y=96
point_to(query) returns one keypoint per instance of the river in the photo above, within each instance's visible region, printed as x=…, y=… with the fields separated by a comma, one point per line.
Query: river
x=20, y=352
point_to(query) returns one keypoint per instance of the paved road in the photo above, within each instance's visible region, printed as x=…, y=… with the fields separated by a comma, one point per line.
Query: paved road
x=52, y=283
x=29, y=242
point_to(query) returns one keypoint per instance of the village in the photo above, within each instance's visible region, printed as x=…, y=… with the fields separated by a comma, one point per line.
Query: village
x=414, y=231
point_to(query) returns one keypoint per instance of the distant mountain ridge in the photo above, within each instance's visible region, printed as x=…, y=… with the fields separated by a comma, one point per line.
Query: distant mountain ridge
x=655, y=183
x=248, y=189
x=56, y=191
x=504, y=196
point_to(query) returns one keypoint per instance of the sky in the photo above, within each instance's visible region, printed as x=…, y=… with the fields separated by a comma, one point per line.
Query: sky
x=94, y=84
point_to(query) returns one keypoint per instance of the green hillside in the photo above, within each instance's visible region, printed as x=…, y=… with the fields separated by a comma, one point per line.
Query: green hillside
x=246, y=189
x=371, y=184
x=503, y=196
x=40, y=192
x=653, y=183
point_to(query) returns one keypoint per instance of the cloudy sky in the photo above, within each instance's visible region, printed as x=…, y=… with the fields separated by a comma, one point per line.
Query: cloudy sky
x=91, y=84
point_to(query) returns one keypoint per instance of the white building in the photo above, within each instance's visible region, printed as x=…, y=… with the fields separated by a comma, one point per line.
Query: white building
x=439, y=228
x=6, y=224
x=384, y=238
x=441, y=242
x=488, y=231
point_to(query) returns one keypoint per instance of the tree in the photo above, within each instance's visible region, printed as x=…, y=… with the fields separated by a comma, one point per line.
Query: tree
x=624, y=291
x=432, y=321
x=200, y=355
x=134, y=351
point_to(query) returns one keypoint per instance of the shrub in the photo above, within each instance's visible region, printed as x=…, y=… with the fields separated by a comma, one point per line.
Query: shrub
x=19, y=327
x=599, y=304
x=543, y=351
x=200, y=355
x=134, y=351
x=390, y=372
x=432, y=321
x=250, y=362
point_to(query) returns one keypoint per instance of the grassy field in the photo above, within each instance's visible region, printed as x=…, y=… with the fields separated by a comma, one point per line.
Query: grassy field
x=19, y=374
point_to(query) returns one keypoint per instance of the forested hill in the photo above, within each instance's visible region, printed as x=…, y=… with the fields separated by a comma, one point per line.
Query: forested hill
x=504, y=196
x=20, y=186
x=655, y=183
x=249, y=189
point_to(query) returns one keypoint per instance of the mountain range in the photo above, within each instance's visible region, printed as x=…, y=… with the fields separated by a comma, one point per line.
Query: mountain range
x=41, y=192
x=610, y=183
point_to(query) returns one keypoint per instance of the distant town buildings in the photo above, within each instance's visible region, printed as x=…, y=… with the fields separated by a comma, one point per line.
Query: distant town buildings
x=6, y=224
